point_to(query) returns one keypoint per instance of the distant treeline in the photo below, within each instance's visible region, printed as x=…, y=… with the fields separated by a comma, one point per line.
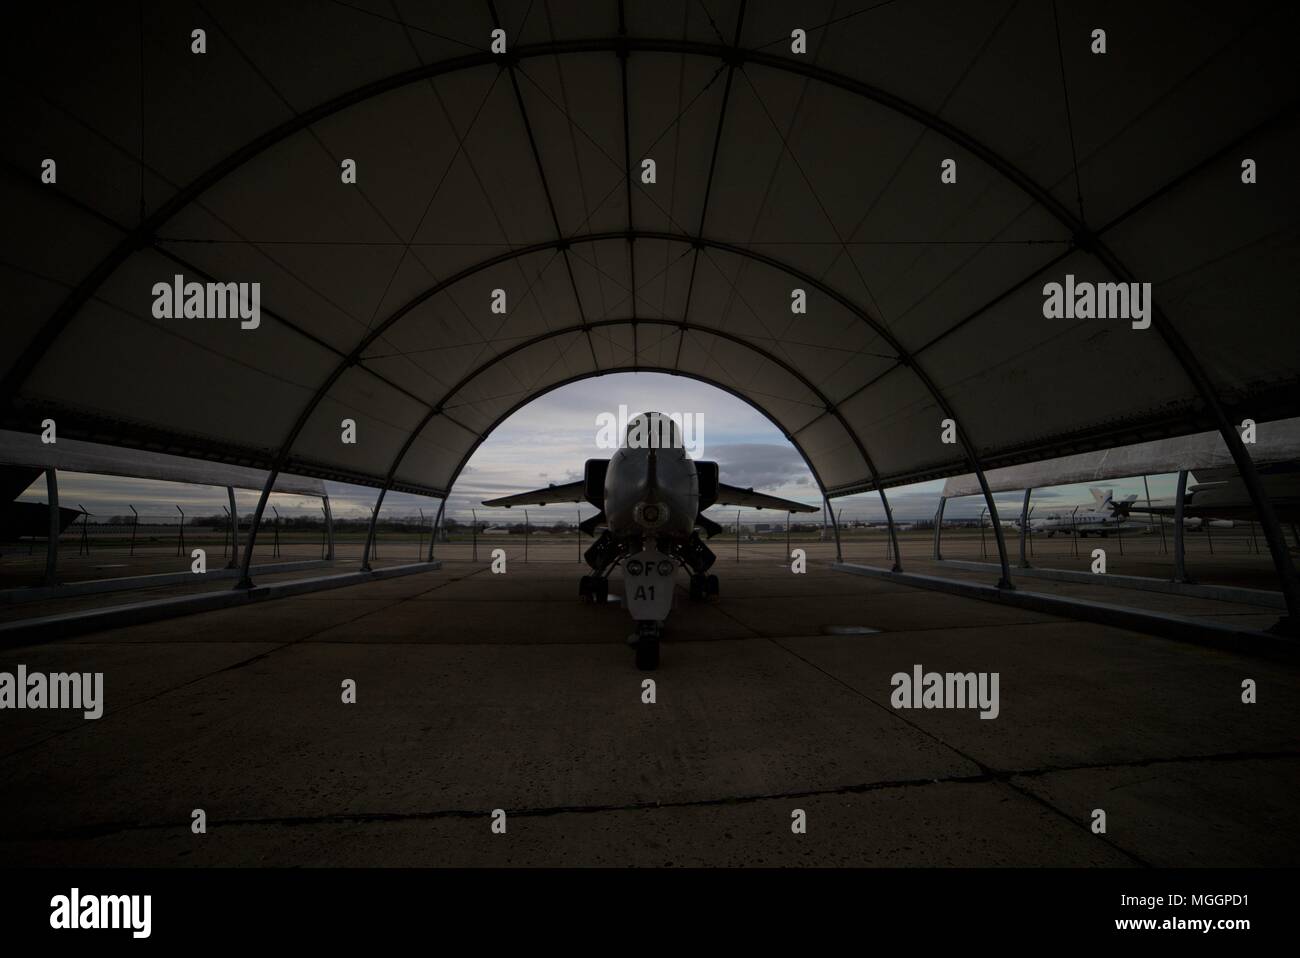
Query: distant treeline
x=221, y=522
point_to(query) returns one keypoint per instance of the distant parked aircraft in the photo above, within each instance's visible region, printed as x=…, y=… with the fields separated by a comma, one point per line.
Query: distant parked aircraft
x=1105, y=517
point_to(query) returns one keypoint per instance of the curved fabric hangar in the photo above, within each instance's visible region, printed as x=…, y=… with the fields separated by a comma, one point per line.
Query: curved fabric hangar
x=859, y=238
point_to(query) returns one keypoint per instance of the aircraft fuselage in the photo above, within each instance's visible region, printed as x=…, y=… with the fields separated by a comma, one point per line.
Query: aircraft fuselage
x=651, y=493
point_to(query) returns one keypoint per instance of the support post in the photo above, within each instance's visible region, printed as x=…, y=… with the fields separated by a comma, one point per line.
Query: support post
x=938, y=528
x=1004, y=574
x=329, y=527
x=234, y=529
x=1180, y=502
x=527, y=531
x=1074, y=532
x=893, y=532
x=225, y=536
x=370, y=532
x=419, y=541
x=787, y=535
x=1147, y=487
x=180, y=540
x=984, y=552
x=52, y=543
x=835, y=527
x=135, y=521
x=437, y=523
x=1024, y=528
x=473, y=532
x=737, y=535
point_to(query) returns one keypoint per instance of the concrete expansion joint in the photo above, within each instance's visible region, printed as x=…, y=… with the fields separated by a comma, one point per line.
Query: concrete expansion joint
x=986, y=775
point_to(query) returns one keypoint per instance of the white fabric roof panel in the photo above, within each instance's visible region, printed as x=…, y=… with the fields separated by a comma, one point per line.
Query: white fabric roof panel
x=1123, y=373
x=898, y=422
x=674, y=121
x=1275, y=442
x=817, y=182
x=1229, y=302
x=43, y=261
x=586, y=86
x=1131, y=112
x=826, y=442
x=71, y=455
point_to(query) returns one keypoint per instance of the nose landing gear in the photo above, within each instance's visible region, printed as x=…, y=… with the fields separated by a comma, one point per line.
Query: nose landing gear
x=646, y=642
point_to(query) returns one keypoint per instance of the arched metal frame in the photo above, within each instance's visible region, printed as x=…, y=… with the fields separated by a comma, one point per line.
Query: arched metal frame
x=357, y=354
x=1084, y=238
x=595, y=374
x=681, y=325
x=569, y=380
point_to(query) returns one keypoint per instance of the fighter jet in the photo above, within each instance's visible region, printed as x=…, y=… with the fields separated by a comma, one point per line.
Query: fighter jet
x=651, y=498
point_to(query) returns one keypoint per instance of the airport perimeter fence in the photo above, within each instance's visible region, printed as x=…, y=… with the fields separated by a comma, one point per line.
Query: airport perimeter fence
x=1233, y=554
x=131, y=543
x=175, y=536
x=563, y=543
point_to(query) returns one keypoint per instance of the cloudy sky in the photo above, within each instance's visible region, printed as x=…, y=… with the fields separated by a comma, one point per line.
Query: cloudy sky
x=549, y=440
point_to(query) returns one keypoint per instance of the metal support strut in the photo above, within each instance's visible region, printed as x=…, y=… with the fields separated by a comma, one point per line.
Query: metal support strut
x=52, y=540
x=1024, y=528
x=234, y=530
x=1180, y=562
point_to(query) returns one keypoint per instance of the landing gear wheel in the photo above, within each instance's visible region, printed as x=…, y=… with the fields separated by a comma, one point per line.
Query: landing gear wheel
x=647, y=649
x=698, y=588
x=584, y=587
x=711, y=584
x=599, y=590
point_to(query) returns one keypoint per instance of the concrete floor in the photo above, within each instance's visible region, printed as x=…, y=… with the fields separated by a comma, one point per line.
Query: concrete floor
x=478, y=692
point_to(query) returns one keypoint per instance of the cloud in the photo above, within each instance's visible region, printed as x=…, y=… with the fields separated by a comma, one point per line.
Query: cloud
x=764, y=466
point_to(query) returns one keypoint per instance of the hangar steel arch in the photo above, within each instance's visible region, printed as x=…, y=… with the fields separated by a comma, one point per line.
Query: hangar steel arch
x=1184, y=392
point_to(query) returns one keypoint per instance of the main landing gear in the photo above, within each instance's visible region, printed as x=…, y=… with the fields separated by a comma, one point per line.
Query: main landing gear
x=703, y=586
x=593, y=588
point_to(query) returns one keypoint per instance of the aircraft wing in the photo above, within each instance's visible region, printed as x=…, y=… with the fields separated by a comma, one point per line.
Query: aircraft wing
x=569, y=492
x=734, y=496
x=1157, y=510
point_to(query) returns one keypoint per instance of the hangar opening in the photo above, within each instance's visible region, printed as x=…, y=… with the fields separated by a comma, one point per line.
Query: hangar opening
x=1020, y=307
